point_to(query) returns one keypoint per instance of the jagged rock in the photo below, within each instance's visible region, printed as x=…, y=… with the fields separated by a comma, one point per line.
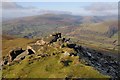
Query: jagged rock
x=14, y=53
x=40, y=42
x=21, y=56
x=56, y=34
x=89, y=54
x=100, y=54
x=71, y=45
x=73, y=54
x=32, y=49
x=5, y=62
x=65, y=40
x=66, y=54
x=43, y=55
x=55, y=37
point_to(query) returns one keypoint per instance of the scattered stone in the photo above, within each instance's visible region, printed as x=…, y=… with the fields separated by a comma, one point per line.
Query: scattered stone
x=40, y=42
x=66, y=62
x=14, y=53
x=71, y=45
x=30, y=51
x=89, y=54
x=66, y=54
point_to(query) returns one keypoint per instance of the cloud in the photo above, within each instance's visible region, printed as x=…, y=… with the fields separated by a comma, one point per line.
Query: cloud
x=16, y=13
x=13, y=10
x=103, y=8
x=10, y=5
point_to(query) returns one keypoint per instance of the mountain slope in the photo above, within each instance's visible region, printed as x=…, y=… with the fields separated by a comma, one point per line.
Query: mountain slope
x=37, y=25
x=9, y=42
x=57, y=56
x=95, y=30
x=50, y=61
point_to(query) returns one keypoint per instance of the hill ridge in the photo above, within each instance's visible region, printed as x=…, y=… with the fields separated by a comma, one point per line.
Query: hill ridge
x=67, y=54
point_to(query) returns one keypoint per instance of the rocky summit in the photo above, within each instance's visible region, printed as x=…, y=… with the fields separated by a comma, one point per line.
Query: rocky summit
x=59, y=53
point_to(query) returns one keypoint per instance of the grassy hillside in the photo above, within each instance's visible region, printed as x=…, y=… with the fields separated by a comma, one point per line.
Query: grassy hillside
x=49, y=67
x=96, y=34
x=9, y=43
x=34, y=66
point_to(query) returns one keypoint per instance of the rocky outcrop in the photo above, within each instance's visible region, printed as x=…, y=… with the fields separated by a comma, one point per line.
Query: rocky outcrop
x=21, y=56
x=55, y=37
x=40, y=42
x=14, y=53
x=5, y=60
x=17, y=54
x=106, y=64
x=30, y=50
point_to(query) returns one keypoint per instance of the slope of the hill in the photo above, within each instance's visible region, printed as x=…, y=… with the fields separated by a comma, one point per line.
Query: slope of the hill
x=34, y=66
x=9, y=42
x=56, y=56
x=102, y=35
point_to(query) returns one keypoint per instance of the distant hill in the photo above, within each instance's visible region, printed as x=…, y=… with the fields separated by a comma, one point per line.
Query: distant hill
x=100, y=29
x=39, y=24
x=34, y=25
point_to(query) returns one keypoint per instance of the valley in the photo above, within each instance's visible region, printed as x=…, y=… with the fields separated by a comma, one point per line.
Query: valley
x=98, y=31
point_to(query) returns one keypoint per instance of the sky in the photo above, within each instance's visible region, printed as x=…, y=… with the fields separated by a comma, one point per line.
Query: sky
x=21, y=9
x=59, y=6
x=54, y=4
x=60, y=0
